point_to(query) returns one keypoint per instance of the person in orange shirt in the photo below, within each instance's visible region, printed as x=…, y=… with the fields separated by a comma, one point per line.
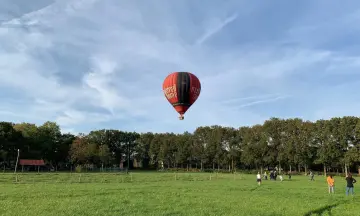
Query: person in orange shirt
x=331, y=183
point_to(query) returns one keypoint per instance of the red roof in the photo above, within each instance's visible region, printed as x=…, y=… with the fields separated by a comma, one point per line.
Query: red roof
x=32, y=162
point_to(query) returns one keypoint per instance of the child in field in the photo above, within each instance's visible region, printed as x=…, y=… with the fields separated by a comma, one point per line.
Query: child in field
x=350, y=184
x=331, y=183
x=258, y=178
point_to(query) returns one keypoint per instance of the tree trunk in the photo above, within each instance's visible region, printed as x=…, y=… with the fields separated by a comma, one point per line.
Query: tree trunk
x=213, y=166
x=261, y=170
x=324, y=170
x=187, y=167
x=299, y=168
x=232, y=164
x=359, y=170
x=346, y=170
x=290, y=168
x=306, y=171
x=201, y=165
x=279, y=167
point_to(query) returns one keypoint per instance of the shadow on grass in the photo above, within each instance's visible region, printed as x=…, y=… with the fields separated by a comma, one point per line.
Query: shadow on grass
x=254, y=189
x=323, y=210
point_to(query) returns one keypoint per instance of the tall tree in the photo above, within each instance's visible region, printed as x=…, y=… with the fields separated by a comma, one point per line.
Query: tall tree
x=49, y=140
x=201, y=139
x=274, y=130
x=256, y=147
x=143, y=149
x=10, y=141
x=104, y=155
x=31, y=147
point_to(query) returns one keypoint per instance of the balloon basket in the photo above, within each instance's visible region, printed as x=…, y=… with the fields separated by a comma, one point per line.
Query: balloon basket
x=181, y=117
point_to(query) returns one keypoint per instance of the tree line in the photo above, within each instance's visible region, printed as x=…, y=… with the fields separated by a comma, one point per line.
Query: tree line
x=290, y=144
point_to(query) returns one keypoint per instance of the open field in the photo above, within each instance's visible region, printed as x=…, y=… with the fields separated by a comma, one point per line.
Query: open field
x=170, y=194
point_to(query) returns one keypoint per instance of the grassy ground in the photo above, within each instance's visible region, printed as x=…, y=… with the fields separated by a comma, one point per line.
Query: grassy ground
x=170, y=194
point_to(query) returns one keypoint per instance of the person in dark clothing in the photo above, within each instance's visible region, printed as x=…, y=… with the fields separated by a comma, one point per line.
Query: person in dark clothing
x=275, y=175
x=271, y=175
x=289, y=174
x=350, y=184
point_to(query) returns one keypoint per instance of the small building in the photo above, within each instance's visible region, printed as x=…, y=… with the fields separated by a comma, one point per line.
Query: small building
x=34, y=163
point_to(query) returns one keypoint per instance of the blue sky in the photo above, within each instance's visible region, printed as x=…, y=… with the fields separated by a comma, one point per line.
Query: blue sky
x=93, y=64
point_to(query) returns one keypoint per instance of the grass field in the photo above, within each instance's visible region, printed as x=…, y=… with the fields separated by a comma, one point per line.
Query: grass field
x=170, y=194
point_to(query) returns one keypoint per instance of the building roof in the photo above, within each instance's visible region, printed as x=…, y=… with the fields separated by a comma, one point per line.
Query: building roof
x=32, y=162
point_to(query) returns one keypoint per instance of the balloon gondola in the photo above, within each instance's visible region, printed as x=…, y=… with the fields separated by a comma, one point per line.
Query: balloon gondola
x=181, y=89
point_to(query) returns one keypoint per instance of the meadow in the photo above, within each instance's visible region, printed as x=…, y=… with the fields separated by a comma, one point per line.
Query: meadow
x=142, y=193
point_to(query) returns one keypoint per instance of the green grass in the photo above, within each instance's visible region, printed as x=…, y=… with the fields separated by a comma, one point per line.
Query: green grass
x=166, y=194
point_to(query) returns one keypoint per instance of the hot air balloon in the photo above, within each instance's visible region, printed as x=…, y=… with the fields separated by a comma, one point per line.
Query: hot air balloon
x=181, y=89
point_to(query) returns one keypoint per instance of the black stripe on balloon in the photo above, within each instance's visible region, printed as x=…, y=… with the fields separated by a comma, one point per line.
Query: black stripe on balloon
x=183, y=89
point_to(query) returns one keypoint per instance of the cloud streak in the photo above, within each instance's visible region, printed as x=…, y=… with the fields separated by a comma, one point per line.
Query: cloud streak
x=234, y=100
x=215, y=29
x=262, y=101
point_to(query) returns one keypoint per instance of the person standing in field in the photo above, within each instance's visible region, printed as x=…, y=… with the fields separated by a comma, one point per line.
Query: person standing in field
x=312, y=176
x=258, y=178
x=350, y=184
x=331, y=183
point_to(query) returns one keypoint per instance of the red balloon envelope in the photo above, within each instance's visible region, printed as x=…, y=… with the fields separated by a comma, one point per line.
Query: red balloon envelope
x=181, y=89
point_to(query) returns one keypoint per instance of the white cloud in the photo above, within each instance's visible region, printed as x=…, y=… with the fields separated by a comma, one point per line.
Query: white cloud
x=92, y=64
